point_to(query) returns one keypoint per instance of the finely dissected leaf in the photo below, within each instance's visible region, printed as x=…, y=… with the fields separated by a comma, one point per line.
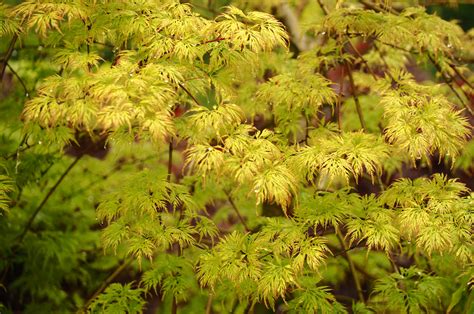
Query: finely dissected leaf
x=221, y=148
x=275, y=184
x=336, y=156
x=420, y=123
x=119, y=298
x=6, y=187
x=411, y=290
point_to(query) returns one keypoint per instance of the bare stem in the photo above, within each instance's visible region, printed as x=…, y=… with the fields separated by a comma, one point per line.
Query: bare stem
x=170, y=160
x=356, y=98
x=378, y=9
x=448, y=81
x=20, y=80
x=45, y=199
x=362, y=59
x=209, y=304
x=351, y=265
x=231, y=201
x=8, y=54
x=384, y=62
x=323, y=7
x=463, y=78
x=107, y=281
x=189, y=94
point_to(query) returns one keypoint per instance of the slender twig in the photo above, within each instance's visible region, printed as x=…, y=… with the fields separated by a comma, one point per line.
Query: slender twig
x=345, y=251
x=378, y=9
x=362, y=59
x=356, y=98
x=448, y=81
x=351, y=265
x=27, y=94
x=213, y=40
x=8, y=54
x=231, y=201
x=339, y=100
x=170, y=160
x=189, y=94
x=45, y=199
x=306, y=130
x=107, y=281
x=323, y=7
x=463, y=78
x=209, y=304
x=384, y=62
x=174, y=306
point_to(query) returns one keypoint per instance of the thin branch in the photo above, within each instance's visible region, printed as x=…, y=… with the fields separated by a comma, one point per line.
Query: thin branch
x=174, y=306
x=362, y=59
x=231, y=201
x=209, y=304
x=213, y=40
x=8, y=54
x=378, y=9
x=448, y=81
x=463, y=78
x=351, y=265
x=323, y=7
x=306, y=130
x=384, y=62
x=45, y=199
x=27, y=94
x=170, y=160
x=107, y=281
x=343, y=252
x=356, y=98
x=339, y=100
x=189, y=94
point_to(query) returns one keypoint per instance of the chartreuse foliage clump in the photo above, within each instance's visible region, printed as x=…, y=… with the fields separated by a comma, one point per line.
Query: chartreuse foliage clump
x=234, y=156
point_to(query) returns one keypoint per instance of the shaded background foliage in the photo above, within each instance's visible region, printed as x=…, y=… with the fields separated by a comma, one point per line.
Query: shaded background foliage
x=104, y=210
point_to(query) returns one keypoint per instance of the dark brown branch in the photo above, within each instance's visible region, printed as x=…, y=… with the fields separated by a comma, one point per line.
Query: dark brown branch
x=213, y=40
x=231, y=201
x=362, y=59
x=45, y=199
x=7, y=56
x=378, y=9
x=384, y=62
x=356, y=98
x=461, y=76
x=170, y=160
x=27, y=94
x=107, y=281
x=339, y=101
x=448, y=80
x=189, y=94
x=323, y=7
